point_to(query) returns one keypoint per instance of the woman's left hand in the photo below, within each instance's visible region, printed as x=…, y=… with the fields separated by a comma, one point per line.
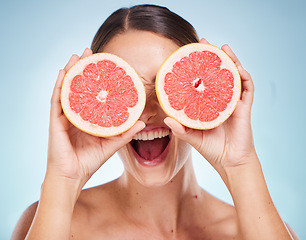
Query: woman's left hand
x=231, y=143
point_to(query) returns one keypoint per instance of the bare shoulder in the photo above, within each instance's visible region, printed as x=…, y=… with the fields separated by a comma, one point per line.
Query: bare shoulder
x=95, y=209
x=224, y=222
x=91, y=203
x=292, y=232
x=220, y=218
x=23, y=225
x=101, y=197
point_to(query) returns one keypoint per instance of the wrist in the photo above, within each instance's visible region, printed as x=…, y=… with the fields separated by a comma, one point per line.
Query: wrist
x=62, y=191
x=253, y=203
x=246, y=183
x=245, y=168
x=69, y=174
x=55, y=209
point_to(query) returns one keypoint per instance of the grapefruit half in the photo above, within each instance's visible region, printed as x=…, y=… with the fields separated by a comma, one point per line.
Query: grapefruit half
x=102, y=95
x=198, y=85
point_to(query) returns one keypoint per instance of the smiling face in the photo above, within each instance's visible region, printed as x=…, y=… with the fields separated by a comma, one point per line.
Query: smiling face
x=155, y=156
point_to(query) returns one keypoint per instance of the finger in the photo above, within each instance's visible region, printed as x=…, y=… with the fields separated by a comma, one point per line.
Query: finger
x=58, y=85
x=86, y=53
x=74, y=58
x=127, y=136
x=137, y=127
x=124, y=138
x=176, y=127
x=203, y=40
x=56, y=108
x=191, y=136
x=247, y=86
x=231, y=54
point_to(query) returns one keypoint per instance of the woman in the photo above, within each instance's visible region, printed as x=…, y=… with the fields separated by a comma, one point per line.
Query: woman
x=157, y=196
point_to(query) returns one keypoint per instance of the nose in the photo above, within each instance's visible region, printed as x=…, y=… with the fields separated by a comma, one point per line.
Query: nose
x=151, y=109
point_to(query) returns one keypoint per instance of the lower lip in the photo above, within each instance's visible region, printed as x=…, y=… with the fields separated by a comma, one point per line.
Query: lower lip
x=154, y=162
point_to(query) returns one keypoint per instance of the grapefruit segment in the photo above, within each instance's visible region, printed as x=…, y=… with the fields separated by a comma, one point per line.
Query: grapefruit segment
x=91, y=71
x=198, y=85
x=102, y=95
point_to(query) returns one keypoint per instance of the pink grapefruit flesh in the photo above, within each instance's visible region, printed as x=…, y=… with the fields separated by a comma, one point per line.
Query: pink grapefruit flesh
x=102, y=95
x=199, y=86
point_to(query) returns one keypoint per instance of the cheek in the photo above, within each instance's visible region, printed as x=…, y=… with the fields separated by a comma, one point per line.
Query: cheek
x=182, y=154
x=126, y=157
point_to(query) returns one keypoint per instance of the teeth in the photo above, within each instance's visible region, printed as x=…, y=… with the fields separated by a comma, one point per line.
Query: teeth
x=150, y=135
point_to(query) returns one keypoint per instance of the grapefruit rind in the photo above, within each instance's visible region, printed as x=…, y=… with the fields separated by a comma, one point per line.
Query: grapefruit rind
x=93, y=129
x=179, y=115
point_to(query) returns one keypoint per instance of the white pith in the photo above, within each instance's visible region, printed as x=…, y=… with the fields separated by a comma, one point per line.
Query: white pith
x=75, y=119
x=151, y=135
x=180, y=116
x=201, y=86
x=102, y=96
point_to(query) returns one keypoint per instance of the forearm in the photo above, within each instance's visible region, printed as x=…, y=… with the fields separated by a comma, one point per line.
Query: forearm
x=257, y=215
x=54, y=213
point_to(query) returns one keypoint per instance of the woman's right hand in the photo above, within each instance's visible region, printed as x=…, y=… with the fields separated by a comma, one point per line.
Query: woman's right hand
x=72, y=153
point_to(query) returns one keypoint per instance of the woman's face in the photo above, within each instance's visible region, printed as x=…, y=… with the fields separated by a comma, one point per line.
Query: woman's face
x=155, y=156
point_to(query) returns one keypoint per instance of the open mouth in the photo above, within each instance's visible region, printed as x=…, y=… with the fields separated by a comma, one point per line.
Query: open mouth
x=150, y=145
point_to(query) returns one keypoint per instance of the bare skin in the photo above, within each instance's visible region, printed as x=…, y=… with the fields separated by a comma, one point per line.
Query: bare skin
x=161, y=202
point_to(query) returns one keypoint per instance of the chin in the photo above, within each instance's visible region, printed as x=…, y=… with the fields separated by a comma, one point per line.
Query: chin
x=162, y=169
x=156, y=179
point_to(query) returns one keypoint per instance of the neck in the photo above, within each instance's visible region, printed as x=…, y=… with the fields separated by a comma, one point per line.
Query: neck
x=160, y=207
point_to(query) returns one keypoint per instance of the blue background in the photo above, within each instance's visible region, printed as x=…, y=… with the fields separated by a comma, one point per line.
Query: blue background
x=38, y=38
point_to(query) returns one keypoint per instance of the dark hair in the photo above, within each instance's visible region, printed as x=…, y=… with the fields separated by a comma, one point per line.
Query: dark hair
x=153, y=18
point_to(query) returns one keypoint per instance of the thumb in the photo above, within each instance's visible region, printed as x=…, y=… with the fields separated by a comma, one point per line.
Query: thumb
x=114, y=143
x=127, y=136
x=192, y=136
x=177, y=129
x=137, y=127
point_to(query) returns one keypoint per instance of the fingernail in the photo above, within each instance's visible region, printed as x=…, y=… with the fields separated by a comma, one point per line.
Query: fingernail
x=166, y=122
x=141, y=124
